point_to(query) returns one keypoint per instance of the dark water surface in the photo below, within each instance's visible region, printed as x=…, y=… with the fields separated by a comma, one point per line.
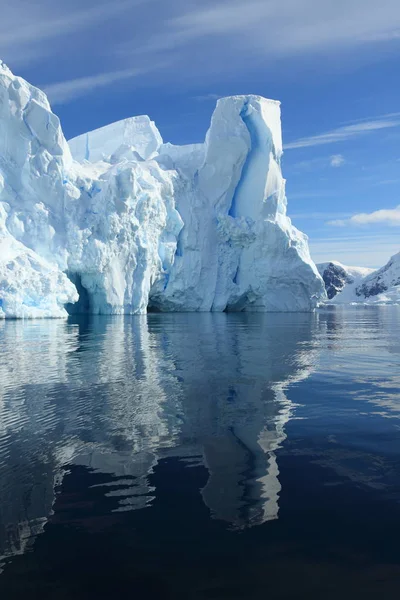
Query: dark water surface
x=201, y=456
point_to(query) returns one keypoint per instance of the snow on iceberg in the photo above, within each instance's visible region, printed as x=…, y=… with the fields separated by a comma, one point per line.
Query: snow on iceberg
x=135, y=224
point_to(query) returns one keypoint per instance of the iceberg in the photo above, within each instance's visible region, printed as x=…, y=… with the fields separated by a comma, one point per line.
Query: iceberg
x=118, y=222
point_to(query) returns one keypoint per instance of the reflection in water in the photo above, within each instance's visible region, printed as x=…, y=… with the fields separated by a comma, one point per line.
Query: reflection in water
x=213, y=425
x=117, y=395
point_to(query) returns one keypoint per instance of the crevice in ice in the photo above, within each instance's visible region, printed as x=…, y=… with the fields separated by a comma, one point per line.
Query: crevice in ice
x=250, y=190
x=83, y=305
x=232, y=210
x=179, y=244
x=235, y=278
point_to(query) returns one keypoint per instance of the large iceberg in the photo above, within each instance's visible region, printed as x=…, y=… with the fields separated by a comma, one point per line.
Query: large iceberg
x=127, y=223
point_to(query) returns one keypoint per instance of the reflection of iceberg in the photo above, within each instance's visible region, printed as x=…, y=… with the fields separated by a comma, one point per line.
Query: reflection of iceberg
x=118, y=394
x=239, y=425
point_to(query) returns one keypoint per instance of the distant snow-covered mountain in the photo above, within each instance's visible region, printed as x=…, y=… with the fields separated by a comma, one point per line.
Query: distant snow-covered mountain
x=347, y=285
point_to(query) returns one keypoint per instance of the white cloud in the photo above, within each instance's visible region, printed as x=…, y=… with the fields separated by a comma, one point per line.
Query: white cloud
x=47, y=26
x=320, y=216
x=346, y=132
x=214, y=40
x=337, y=160
x=280, y=28
x=203, y=41
x=65, y=91
x=363, y=250
x=317, y=163
x=385, y=216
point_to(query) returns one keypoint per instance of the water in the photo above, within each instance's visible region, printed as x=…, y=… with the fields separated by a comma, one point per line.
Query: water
x=204, y=456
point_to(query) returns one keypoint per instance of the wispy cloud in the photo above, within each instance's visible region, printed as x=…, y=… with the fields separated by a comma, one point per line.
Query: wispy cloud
x=32, y=30
x=363, y=250
x=317, y=163
x=48, y=26
x=346, y=132
x=384, y=216
x=320, y=216
x=337, y=160
x=207, y=40
x=65, y=91
x=293, y=25
x=216, y=39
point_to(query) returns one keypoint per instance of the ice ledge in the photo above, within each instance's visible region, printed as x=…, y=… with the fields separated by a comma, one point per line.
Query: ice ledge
x=138, y=133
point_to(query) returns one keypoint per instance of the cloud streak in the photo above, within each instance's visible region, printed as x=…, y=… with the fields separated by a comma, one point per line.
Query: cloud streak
x=66, y=91
x=204, y=41
x=384, y=216
x=50, y=26
x=346, y=132
x=292, y=26
x=320, y=216
x=363, y=251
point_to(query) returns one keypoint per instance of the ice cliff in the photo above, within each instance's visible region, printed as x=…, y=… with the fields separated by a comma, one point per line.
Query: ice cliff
x=118, y=222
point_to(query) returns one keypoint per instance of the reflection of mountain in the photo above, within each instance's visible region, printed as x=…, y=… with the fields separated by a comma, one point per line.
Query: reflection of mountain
x=354, y=399
x=118, y=394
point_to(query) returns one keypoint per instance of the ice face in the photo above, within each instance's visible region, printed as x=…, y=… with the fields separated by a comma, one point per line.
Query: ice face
x=34, y=158
x=238, y=249
x=29, y=285
x=122, y=234
x=138, y=133
x=135, y=223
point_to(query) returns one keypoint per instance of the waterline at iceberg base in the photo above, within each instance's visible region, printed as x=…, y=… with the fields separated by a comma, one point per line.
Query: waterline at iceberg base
x=117, y=222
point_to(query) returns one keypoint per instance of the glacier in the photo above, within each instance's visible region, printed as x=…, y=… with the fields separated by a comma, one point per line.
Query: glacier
x=118, y=222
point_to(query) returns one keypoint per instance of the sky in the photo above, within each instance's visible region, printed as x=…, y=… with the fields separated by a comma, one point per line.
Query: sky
x=333, y=64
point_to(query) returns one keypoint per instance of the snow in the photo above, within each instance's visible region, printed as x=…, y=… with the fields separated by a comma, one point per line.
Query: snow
x=341, y=280
x=355, y=285
x=135, y=223
x=382, y=286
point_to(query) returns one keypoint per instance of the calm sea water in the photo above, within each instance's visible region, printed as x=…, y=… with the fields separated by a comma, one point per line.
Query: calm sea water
x=204, y=456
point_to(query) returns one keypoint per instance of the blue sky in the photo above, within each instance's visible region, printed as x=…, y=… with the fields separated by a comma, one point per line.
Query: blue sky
x=333, y=64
